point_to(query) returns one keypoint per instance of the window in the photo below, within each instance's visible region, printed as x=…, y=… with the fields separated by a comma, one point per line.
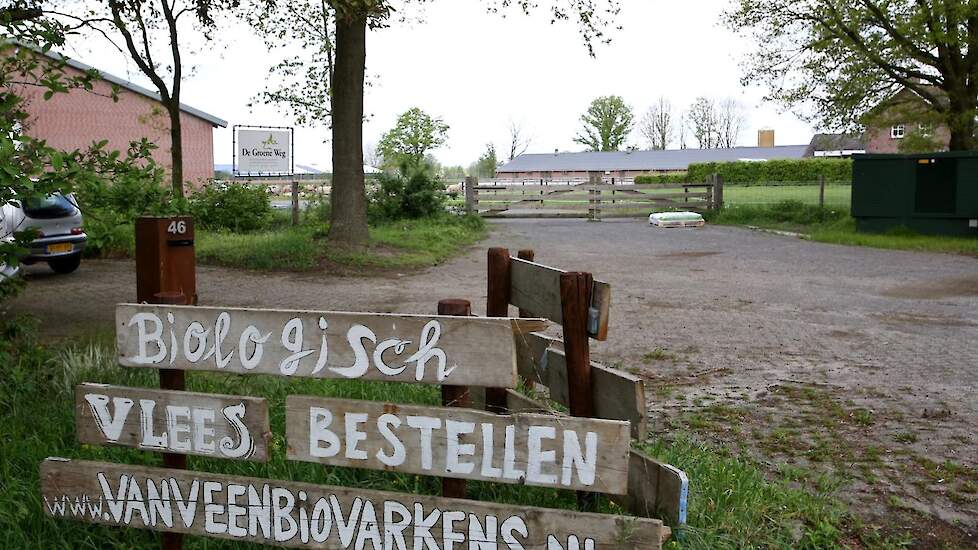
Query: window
x=898, y=132
x=926, y=130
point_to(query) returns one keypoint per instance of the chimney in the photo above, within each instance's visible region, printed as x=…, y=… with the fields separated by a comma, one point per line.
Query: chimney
x=765, y=137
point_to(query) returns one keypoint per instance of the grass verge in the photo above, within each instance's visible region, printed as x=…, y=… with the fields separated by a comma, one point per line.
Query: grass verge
x=283, y=247
x=837, y=227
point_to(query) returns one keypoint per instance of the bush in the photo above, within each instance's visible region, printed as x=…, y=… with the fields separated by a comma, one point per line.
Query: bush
x=771, y=171
x=412, y=194
x=109, y=209
x=233, y=207
x=318, y=209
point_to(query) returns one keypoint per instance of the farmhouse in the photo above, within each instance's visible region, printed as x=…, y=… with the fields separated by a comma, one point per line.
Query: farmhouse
x=628, y=164
x=76, y=119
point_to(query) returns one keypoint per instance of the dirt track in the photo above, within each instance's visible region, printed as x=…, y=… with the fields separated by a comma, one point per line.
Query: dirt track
x=857, y=362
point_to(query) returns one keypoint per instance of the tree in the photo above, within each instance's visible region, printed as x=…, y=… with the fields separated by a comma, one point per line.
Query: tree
x=351, y=21
x=518, y=141
x=656, y=125
x=606, y=124
x=485, y=167
x=731, y=120
x=412, y=137
x=300, y=86
x=834, y=60
x=148, y=28
x=703, y=122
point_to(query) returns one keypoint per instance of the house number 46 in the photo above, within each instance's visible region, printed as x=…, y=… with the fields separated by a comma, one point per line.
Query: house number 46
x=177, y=227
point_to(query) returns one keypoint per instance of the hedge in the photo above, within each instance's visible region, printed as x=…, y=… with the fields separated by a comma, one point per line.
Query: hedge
x=771, y=171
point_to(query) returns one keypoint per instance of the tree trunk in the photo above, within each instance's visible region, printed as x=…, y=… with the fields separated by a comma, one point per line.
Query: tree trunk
x=962, y=127
x=176, y=149
x=348, y=219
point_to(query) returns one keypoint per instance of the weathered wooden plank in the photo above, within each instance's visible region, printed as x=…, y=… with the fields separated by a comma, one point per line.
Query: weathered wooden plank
x=655, y=489
x=529, y=187
x=292, y=514
x=461, y=351
x=617, y=395
x=536, y=288
x=540, y=450
x=647, y=204
x=644, y=186
x=179, y=422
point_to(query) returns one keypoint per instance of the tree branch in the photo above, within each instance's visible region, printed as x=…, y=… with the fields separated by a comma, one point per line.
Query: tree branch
x=148, y=70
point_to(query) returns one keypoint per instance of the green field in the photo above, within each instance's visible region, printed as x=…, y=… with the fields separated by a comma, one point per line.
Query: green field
x=836, y=196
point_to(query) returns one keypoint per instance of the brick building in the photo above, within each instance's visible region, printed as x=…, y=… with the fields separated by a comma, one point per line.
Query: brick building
x=902, y=117
x=75, y=119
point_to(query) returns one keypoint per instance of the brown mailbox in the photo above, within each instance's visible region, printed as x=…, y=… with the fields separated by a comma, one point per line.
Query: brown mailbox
x=165, y=262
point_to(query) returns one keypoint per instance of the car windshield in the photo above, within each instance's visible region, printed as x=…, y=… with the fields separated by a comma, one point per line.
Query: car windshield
x=51, y=206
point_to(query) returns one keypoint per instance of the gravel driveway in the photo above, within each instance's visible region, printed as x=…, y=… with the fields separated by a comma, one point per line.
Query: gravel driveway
x=855, y=362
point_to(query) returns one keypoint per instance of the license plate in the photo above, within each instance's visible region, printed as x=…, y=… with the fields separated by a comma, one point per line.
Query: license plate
x=60, y=248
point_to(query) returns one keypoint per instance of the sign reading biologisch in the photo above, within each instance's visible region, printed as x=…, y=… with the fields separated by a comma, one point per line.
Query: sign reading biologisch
x=262, y=151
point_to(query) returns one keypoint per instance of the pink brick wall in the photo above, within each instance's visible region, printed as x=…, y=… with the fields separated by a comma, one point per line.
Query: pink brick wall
x=878, y=139
x=75, y=119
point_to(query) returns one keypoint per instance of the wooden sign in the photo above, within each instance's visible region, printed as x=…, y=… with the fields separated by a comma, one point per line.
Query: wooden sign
x=371, y=346
x=294, y=514
x=535, y=288
x=218, y=426
x=530, y=449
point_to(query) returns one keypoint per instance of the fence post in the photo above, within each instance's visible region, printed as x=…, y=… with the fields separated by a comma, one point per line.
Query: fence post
x=594, y=196
x=821, y=191
x=718, y=192
x=295, y=202
x=454, y=396
x=470, y=194
x=166, y=274
x=497, y=305
x=575, y=301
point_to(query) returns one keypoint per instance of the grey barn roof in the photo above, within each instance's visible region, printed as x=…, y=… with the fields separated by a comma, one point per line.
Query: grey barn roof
x=123, y=83
x=672, y=159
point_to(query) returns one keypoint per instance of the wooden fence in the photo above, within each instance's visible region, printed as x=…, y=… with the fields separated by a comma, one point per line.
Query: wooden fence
x=592, y=200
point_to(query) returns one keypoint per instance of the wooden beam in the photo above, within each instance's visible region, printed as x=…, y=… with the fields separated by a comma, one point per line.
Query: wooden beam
x=535, y=288
x=288, y=513
x=524, y=449
x=177, y=422
x=425, y=349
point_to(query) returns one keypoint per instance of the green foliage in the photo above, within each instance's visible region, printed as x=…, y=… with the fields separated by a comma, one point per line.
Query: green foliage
x=485, y=167
x=232, y=207
x=285, y=249
x=412, y=138
x=916, y=141
x=840, y=59
x=771, y=171
x=414, y=193
x=606, y=124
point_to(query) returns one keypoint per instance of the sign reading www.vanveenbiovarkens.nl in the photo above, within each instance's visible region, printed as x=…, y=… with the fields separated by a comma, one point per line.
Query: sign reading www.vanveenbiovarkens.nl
x=314, y=516
x=371, y=346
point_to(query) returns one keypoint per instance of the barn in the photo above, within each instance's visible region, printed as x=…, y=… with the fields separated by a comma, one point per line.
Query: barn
x=625, y=165
x=76, y=119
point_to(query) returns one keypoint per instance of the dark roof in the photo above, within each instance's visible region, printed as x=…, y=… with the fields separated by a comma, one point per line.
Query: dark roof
x=123, y=83
x=836, y=142
x=667, y=160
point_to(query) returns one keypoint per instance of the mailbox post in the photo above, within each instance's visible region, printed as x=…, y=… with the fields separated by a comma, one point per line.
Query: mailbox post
x=165, y=261
x=166, y=273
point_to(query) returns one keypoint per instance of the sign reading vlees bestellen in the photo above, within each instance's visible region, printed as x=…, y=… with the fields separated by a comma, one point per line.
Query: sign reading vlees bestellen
x=263, y=151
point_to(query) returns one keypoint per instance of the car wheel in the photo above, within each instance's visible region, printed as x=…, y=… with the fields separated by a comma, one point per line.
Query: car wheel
x=65, y=265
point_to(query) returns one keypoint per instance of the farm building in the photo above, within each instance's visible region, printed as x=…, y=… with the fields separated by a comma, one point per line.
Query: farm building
x=628, y=164
x=76, y=119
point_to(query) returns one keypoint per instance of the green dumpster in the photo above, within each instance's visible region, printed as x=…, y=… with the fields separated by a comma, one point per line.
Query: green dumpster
x=932, y=193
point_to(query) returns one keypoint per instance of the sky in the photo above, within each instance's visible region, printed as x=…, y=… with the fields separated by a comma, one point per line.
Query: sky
x=479, y=72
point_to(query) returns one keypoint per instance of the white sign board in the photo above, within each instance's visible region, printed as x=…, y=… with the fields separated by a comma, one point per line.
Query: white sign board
x=263, y=152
